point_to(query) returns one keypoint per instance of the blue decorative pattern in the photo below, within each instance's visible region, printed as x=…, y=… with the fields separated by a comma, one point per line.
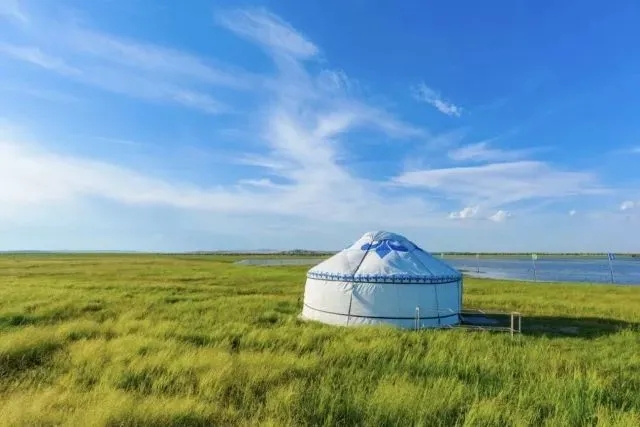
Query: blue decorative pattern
x=384, y=278
x=383, y=247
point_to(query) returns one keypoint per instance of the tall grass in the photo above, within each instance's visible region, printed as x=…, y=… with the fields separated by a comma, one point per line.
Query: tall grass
x=169, y=340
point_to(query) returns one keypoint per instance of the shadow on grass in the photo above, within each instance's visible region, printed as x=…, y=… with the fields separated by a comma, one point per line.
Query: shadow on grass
x=14, y=361
x=555, y=326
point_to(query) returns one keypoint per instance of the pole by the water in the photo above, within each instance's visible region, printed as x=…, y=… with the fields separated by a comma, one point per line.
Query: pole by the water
x=611, y=257
x=512, y=326
x=477, y=263
x=534, y=257
x=611, y=270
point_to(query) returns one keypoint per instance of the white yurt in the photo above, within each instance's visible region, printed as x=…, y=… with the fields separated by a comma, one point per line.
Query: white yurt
x=383, y=278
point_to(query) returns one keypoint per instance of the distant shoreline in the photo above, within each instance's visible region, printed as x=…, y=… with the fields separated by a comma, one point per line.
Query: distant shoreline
x=309, y=253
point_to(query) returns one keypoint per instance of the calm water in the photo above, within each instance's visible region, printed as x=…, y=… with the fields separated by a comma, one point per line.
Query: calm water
x=551, y=270
x=547, y=270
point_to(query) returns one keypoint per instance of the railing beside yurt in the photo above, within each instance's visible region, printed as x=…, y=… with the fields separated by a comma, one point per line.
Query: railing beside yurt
x=477, y=319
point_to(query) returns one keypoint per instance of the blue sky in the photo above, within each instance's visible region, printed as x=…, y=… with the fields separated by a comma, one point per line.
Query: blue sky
x=161, y=125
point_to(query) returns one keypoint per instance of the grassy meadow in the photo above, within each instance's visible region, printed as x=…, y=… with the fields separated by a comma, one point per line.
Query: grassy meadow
x=123, y=340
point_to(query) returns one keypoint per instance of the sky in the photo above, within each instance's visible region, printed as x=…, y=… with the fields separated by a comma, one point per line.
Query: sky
x=157, y=125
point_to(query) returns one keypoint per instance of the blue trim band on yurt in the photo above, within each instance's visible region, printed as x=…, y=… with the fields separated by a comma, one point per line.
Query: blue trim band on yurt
x=373, y=278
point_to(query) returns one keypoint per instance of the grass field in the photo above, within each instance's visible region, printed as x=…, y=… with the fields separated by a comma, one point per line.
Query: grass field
x=195, y=340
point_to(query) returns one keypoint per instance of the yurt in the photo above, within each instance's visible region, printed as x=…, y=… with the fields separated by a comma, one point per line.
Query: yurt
x=383, y=278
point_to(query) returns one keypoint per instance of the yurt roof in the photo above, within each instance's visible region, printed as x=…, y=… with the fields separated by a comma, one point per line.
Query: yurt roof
x=384, y=257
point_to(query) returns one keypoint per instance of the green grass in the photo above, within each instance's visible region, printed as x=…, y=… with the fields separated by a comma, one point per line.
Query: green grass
x=195, y=340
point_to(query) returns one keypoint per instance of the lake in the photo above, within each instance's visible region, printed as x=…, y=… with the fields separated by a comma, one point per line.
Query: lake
x=625, y=271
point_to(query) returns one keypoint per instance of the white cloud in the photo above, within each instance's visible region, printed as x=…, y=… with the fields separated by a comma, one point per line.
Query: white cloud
x=300, y=146
x=328, y=92
x=572, y=212
x=136, y=69
x=300, y=129
x=35, y=177
x=41, y=177
x=445, y=140
x=481, y=151
x=336, y=80
x=12, y=10
x=38, y=92
x=198, y=101
x=119, y=81
x=468, y=212
x=166, y=75
x=128, y=83
x=119, y=141
x=269, y=30
x=424, y=93
x=263, y=183
x=496, y=184
x=500, y=216
x=148, y=58
x=160, y=91
x=627, y=205
x=35, y=56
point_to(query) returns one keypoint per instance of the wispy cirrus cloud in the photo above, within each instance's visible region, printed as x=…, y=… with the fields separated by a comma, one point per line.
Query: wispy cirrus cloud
x=261, y=26
x=141, y=70
x=300, y=130
x=11, y=9
x=37, y=57
x=328, y=90
x=483, y=152
x=126, y=82
x=424, y=93
x=36, y=176
x=47, y=177
x=118, y=141
x=152, y=59
x=155, y=73
x=303, y=127
x=39, y=92
x=497, y=184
